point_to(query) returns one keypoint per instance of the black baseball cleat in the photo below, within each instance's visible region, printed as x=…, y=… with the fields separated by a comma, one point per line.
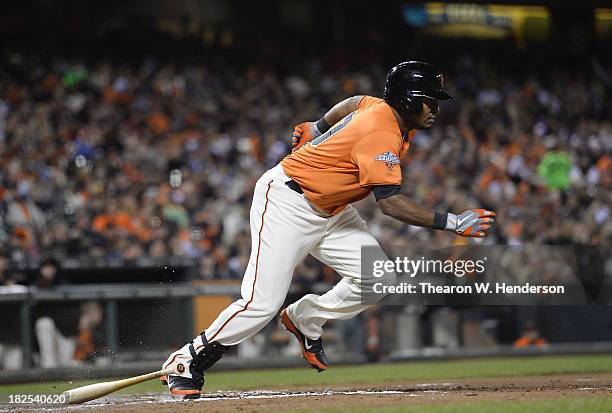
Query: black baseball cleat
x=312, y=350
x=184, y=386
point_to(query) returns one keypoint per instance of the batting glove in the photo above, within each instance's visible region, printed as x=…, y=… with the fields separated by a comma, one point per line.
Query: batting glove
x=471, y=223
x=302, y=133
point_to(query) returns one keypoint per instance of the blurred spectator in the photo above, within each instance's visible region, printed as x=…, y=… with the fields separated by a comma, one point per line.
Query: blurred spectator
x=373, y=345
x=530, y=337
x=11, y=357
x=90, y=320
x=56, y=324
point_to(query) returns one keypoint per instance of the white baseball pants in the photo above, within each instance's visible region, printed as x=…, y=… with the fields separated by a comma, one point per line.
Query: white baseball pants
x=285, y=228
x=55, y=349
x=11, y=357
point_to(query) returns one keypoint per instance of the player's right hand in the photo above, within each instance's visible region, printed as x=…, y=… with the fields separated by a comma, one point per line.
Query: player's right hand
x=302, y=133
x=471, y=223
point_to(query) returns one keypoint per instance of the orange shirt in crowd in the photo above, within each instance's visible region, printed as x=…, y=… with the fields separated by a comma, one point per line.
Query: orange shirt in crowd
x=120, y=219
x=340, y=166
x=526, y=341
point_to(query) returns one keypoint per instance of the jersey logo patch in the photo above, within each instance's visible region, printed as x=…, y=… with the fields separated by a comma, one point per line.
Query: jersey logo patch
x=389, y=159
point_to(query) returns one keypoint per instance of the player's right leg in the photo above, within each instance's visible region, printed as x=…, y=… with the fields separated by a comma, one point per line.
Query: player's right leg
x=283, y=231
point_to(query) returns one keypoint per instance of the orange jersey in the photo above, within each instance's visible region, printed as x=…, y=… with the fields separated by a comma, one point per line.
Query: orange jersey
x=340, y=166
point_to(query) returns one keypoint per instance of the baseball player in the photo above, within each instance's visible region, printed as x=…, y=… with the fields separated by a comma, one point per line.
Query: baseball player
x=302, y=206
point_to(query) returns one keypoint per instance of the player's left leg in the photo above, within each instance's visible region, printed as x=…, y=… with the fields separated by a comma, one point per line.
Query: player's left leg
x=341, y=250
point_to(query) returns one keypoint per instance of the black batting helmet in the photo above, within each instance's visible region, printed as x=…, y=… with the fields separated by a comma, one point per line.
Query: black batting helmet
x=409, y=82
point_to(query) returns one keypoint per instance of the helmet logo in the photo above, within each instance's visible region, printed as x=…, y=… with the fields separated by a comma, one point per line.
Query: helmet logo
x=441, y=77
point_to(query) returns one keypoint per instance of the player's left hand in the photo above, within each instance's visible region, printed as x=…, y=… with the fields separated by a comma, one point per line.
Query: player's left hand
x=302, y=133
x=471, y=223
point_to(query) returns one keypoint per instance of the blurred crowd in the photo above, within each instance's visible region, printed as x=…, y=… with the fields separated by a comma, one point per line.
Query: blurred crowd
x=157, y=159
x=154, y=159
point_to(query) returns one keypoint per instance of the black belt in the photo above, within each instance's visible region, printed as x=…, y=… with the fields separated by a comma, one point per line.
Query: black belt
x=294, y=185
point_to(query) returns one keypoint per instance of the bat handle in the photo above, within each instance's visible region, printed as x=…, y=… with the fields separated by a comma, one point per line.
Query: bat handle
x=96, y=390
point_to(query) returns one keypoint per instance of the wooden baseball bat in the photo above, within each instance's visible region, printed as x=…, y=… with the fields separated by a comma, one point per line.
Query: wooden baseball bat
x=93, y=391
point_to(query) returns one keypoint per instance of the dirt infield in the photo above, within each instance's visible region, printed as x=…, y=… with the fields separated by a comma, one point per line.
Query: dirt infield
x=502, y=389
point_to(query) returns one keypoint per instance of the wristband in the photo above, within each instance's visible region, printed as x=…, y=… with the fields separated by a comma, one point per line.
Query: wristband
x=440, y=221
x=451, y=222
x=322, y=125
